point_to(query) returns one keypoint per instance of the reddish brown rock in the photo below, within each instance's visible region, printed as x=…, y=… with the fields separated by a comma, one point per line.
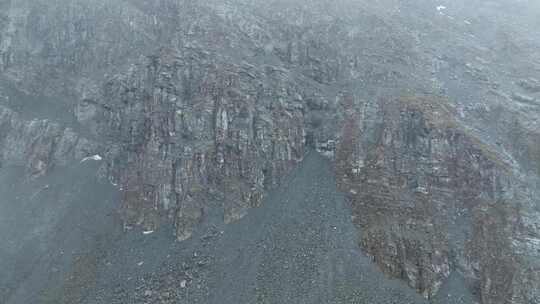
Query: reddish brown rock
x=430, y=198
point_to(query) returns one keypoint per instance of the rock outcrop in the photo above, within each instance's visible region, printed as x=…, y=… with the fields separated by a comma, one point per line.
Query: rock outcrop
x=431, y=198
x=39, y=145
x=188, y=128
x=199, y=108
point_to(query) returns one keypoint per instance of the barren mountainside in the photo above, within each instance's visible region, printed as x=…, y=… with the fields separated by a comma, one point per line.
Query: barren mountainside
x=145, y=146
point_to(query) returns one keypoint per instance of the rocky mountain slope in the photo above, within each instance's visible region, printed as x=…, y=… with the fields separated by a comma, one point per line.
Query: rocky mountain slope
x=194, y=111
x=432, y=199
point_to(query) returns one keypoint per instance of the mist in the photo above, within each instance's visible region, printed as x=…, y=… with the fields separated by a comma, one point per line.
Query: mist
x=277, y=151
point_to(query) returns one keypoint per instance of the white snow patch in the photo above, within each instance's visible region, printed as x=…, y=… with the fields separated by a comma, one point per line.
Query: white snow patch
x=148, y=232
x=93, y=157
x=422, y=190
x=111, y=180
x=461, y=112
x=441, y=8
x=224, y=120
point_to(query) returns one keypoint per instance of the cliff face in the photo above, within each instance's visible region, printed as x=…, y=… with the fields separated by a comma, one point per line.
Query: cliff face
x=430, y=198
x=38, y=145
x=187, y=128
x=199, y=108
x=197, y=120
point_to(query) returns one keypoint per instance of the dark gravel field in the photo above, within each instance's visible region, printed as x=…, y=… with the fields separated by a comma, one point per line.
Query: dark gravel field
x=299, y=247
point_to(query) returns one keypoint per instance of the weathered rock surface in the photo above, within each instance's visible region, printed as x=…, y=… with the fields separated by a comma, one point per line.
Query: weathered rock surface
x=39, y=144
x=194, y=128
x=431, y=198
x=198, y=108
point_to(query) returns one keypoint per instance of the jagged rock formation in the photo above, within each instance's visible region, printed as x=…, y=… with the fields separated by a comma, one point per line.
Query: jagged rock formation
x=203, y=106
x=430, y=198
x=194, y=128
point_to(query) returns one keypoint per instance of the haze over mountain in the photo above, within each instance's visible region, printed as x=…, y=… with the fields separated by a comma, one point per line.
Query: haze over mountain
x=278, y=151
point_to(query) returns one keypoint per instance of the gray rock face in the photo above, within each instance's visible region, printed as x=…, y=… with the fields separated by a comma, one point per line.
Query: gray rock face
x=193, y=128
x=199, y=108
x=431, y=198
x=39, y=144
